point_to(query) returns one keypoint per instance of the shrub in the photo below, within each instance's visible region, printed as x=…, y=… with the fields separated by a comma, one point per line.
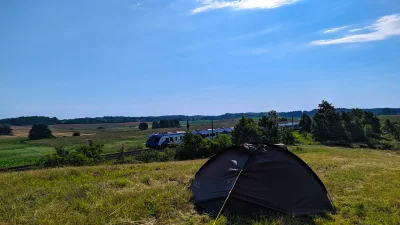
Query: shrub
x=191, y=147
x=92, y=151
x=287, y=136
x=84, y=155
x=76, y=134
x=40, y=131
x=5, y=129
x=100, y=128
x=156, y=156
x=246, y=130
x=136, y=146
x=143, y=126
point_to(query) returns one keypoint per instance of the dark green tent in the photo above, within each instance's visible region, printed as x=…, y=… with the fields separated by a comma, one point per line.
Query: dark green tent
x=259, y=179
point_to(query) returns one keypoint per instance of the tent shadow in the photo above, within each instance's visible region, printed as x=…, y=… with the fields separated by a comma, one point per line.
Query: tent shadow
x=270, y=218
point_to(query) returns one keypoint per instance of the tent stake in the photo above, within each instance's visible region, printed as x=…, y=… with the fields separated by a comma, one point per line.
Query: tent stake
x=229, y=194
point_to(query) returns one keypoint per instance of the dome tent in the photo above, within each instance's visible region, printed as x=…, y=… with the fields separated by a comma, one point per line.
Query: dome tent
x=257, y=179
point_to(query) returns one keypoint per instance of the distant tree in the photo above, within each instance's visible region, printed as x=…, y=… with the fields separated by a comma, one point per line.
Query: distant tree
x=392, y=129
x=388, y=111
x=191, y=147
x=388, y=126
x=283, y=119
x=92, y=151
x=100, y=128
x=5, y=129
x=353, y=124
x=305, y=123
x=177, y=123
x=246, y=130
x=164, y=123
x=327, y=124
x=40, y=131
x=325, y=106
x=155, y=125
x=75, y=134
x=286, y=136
x=143, y=126
x=224, y=141
x=368, y=131
x=371, y=119
x=270, y=128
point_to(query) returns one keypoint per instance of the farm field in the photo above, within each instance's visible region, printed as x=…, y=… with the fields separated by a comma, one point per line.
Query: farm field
x=18, y=150
x=363, y=184
x=393, y=118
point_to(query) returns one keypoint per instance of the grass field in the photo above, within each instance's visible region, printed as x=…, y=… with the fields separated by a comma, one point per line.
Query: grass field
x=393, y=118
x=18, y=150
x=363, y=184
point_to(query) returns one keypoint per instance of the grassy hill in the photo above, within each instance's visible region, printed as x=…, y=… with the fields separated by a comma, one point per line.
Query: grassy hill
x=363, y=184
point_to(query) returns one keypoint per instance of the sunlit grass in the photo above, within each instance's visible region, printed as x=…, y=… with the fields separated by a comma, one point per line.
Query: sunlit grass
x=364, y=186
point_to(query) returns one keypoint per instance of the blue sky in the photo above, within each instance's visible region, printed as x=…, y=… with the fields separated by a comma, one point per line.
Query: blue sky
x=160, y=57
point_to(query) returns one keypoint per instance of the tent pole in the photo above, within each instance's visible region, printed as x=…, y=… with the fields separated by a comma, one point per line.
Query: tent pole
x=229, y=194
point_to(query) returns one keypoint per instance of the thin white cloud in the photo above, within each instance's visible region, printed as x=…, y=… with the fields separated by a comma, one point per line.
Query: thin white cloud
x=253, y=34
x=381, y=29
x=334, y=30
x=360, y=29
x=246, y=36
x=254, y=51
x=240, y=4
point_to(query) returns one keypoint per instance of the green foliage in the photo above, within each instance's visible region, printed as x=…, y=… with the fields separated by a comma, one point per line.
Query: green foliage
x=166, y=124
x=155, y=125
x=76, y=134
x=360, y=125
x=245, y=131
x=392, y=129
x=150, y=155
x=327, y=124
x=270, y=128
x=305, y=123
x=30, y=120
x=121, y=156
x=92, y=151
x=143, y=126
x=39, y=131
x=325, y=106
x=353, y=125
x=5, y=129
x=286, y=135
x=191, y=147
x=80, y=156
x=368, y=131
x=195, y=147
x=224, y=141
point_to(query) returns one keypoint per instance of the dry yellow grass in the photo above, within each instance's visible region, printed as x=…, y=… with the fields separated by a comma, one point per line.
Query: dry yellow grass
x=364, y=186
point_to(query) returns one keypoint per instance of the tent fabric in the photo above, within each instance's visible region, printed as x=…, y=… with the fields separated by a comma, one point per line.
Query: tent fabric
x=272, y=179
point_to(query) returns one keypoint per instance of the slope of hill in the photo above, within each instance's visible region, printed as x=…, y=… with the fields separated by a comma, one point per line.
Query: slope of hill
x=363, y=185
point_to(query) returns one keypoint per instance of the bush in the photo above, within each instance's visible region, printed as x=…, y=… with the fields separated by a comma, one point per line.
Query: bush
x=84, y=155
x=246, y=131
x=40, y=131
x=287, y=136
x=136, y=146
x=76, y=134
x=143, y=126
x=156, y=156
x=5, y=129
x=100, y=128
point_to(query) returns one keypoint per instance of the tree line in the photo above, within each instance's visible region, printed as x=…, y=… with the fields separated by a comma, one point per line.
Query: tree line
x=30, y=120
x=166, y=124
